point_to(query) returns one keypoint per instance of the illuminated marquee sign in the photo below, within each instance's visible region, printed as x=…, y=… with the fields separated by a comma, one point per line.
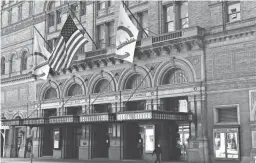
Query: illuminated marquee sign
x=149, y=139
x=96, y=118
x=34, y=121
x=153, y=115
x=63, y=119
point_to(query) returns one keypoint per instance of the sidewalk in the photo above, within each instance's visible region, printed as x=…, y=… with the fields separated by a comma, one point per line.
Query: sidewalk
x=51, y=160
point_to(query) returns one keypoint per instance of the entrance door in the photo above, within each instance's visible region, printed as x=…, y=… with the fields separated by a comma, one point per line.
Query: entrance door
x=100, y=141
x=47, y=141
x=132, y=136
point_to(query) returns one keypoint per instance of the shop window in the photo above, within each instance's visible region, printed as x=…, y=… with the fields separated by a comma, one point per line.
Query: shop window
x=226, y=143
x=102, y=86
x=233, y=11
x=226, y=114
x=169, y=18
x=51, y=93
x=101, y=36
x=111, y=33
x=2, y=66
x=24, y=61
x=75, y=90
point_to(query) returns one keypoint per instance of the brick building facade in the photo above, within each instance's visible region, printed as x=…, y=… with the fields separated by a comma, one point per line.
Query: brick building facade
x=200, y=55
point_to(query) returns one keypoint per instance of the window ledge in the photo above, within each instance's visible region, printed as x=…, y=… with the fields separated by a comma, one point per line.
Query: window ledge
x=227, y=124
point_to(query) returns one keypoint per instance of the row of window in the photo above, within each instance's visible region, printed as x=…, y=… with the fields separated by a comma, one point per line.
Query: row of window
x=13, y=64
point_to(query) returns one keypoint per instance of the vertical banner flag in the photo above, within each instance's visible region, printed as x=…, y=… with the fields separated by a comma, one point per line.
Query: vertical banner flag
x=126, y=37
x=71, y=39
x=40, y=56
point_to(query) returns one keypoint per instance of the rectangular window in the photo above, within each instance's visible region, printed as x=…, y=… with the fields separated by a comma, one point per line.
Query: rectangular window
x=184, y=15
x=74, y=8
x=83, y=8
x=20, y=12
x=227, y=115
x=51, y=19
x=111, y=33
x=58, y=17
x=169, y=18
x=111, y=3
x=101, y=5
x=50, y=45
x=101, y=36
x=143, y=17
x=233, y=11
x=10, y=16
x=226, y=143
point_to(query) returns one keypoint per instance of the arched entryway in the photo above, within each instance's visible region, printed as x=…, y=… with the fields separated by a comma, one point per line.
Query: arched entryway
x=100, y=136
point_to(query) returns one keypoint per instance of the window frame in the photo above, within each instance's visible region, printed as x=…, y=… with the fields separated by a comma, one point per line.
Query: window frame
x=83, y=5
x=227, y=10
x=165, y=17
x=24, y=61
x=101, y=40
x=2, y=65
x=141, y=17
x=109, y=33
x=180, y=17
x=216, y=114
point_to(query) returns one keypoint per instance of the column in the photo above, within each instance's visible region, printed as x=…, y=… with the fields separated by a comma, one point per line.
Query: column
x=85, y=141
x=115, y=148
x=197, y=150
x=36, y=136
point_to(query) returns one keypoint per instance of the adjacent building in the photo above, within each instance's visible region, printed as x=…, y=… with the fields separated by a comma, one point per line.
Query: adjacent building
x=191, y=89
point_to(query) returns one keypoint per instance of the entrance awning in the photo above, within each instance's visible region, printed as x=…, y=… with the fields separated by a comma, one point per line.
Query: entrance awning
x=36, y=121
x=153, y=115
x=97, y=117
x=12, y=122
x=63, y=119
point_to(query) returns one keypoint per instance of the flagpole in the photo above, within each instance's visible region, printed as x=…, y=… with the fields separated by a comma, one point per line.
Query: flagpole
x=134, y=18
x=138, y=86
x=83, y=27
x=43, y=38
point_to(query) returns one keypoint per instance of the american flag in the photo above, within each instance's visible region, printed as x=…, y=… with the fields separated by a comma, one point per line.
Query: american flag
x=71, y=39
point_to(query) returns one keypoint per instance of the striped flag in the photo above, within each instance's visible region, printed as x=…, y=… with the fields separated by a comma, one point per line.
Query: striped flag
x=71, y=39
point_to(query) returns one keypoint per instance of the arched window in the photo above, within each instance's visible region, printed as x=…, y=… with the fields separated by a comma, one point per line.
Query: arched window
x=75, y=90
x=13, y=64
x=2, y=65
x=17, y=117
x=134, y=81
x=175, y=76
x=24, y=61
x=102, y=86
x=51, y=93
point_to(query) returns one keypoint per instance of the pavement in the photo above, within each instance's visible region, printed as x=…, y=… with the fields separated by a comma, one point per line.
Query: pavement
x=51, y=160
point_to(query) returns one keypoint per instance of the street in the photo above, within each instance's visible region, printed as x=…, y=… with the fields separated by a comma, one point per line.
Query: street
x=50, y=160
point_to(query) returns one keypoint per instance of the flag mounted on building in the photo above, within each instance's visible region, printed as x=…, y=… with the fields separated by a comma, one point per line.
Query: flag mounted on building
x=40, y=56
x=126, y=37
x=71, y=39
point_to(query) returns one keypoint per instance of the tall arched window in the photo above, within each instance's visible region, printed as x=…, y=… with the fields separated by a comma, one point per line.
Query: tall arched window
x=2, y=65
x=75, y=90
x=24, y=61
x=102, y=86
x=51, y=93
x=175, y=76
x=134, y=81
x=13, y=64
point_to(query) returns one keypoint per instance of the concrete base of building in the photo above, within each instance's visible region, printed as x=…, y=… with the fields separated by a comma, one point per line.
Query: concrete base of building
x=197, y=151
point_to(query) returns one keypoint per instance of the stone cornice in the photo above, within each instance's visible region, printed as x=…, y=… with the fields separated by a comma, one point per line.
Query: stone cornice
x=17, y=78
x=23, y=24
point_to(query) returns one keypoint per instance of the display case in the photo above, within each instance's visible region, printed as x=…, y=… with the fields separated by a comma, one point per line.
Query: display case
x=226, y=143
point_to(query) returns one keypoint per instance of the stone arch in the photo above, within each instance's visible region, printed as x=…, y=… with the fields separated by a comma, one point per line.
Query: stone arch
x=125, y=76
x=166, y=67
x=70, y=82
x=26, y=49
x=49, y=84
x=24, y=59
x=17, y=115
x=103, y=75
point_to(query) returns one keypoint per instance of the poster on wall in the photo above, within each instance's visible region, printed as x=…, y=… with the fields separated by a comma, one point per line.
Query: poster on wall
x=149, y=139
x=56, y=139
x=226, y=143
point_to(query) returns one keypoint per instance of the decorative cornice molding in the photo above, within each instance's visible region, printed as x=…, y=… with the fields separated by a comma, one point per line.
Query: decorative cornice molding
x=23, y=24
x=17, y=78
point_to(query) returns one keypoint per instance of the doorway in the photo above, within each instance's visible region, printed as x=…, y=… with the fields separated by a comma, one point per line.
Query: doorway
x=100, y=140
x=132, y=140
x=47, y=141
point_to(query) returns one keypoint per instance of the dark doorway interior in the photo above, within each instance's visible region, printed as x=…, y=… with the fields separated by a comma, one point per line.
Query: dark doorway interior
x=47, y=141
x=131, y=141
x=100, y=141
